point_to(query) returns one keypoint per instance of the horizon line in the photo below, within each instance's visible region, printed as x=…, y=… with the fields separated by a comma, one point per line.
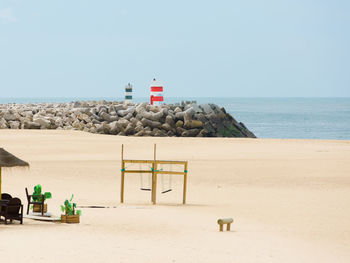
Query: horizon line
x=189, y=97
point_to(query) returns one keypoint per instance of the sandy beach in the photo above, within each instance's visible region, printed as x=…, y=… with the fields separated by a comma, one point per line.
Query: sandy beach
x=289, y=200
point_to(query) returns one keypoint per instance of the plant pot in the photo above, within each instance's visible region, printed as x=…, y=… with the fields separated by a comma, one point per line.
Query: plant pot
x=37, y=208
x=70, y=219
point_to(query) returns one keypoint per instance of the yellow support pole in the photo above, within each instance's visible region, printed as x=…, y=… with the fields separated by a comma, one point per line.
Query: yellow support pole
x=0, y=188
x=154, y=177
x=185, y=184
x=122, y=177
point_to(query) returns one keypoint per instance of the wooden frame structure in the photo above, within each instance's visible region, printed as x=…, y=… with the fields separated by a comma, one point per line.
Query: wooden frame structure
x=154, y=171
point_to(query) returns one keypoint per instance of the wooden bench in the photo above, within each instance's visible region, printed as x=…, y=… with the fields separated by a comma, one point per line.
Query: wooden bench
x=227, y=221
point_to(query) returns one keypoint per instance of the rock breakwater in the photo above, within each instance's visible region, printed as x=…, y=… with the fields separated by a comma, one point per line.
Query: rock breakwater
x=187, y=119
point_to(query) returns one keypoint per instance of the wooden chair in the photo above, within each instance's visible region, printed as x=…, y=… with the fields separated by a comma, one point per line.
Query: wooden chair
x=30, y=202
x=6, y=196
x=13, y=210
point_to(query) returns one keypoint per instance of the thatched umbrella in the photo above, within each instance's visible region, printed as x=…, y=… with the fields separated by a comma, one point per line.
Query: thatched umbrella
x=9, y=160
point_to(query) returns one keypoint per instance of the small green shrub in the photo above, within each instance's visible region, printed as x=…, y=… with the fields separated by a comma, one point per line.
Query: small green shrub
x=69, y=208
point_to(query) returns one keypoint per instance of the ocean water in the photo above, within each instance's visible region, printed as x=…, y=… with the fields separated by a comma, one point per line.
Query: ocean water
x=294, y=118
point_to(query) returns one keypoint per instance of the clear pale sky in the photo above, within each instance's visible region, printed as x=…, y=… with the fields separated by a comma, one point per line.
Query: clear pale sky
x=255, y=48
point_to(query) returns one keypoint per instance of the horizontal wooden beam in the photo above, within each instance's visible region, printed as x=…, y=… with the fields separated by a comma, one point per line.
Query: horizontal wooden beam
x=157, y=161
x=138, y=171
x=138, y=161
x=171, y=162
x=169, y=172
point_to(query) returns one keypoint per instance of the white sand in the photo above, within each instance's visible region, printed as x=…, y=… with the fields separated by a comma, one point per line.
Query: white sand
x=290, y=200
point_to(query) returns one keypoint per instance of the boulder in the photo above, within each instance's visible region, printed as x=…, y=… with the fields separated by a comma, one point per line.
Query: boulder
x=177, y=109
x=118, y=107
x=179, y=131
x=170, y=134
x=147, y=133
x=83, y=117
x=141, y=107
x=123, y=113
x=201, y=117
x=166, y=126
x=179, y=124
x=130, y=129
x=77, y=125
x=140, y=133
x=43, y=122
x=206, y=108
x=203, y=133
x=159, y=133
x=99, y=128
x=179, y=115
x=189, y=113
x=128, y=116
x=27, y=114
x=3, y=124
x=106, y=128
x=123, y=123
x=139, y=128
x=151, y=115
x=101, y=108
x=105, y=116
x=14, y=124
x=113, y=118
x=152, y=124
x=95, y=122
x=170, y=121
x=190, y=133
x=195, y=107
x=153, y=108
x=9, y=116
x=115, y=127
x=215, y=108
x=93, y=129
x=192, y=124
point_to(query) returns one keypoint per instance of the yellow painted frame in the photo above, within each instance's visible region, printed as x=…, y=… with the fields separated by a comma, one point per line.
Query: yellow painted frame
x=154, y=173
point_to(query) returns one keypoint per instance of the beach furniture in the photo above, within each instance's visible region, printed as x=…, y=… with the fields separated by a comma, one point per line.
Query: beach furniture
x=6, y=196
x=225, y=221
x=8, y=160
x=13, y=210
x=31, y=202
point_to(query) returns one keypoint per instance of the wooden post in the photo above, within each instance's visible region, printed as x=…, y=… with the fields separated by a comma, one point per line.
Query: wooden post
x=122, y=176
x=185, y=184
x=154, y=176
x=0, y=188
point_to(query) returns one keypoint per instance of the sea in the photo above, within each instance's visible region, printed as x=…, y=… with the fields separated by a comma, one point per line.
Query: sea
x=285, y=118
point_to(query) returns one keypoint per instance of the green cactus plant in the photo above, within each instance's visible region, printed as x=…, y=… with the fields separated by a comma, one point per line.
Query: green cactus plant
x=37, y=195
x=69, y=208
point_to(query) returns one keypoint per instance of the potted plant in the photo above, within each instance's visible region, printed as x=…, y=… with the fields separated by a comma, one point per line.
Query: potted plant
x=38, y=196
x=70, y=214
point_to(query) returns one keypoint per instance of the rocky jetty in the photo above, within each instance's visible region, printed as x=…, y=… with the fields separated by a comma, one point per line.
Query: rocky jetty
x=187, y=119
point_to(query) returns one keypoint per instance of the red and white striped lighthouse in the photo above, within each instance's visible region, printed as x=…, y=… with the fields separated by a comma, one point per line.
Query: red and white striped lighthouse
x=156, y=93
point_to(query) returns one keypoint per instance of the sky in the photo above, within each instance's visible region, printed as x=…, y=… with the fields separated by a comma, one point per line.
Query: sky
x=85, y=48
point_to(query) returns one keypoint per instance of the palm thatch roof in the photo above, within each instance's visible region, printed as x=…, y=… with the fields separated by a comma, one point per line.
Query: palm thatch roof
x=9, y=160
